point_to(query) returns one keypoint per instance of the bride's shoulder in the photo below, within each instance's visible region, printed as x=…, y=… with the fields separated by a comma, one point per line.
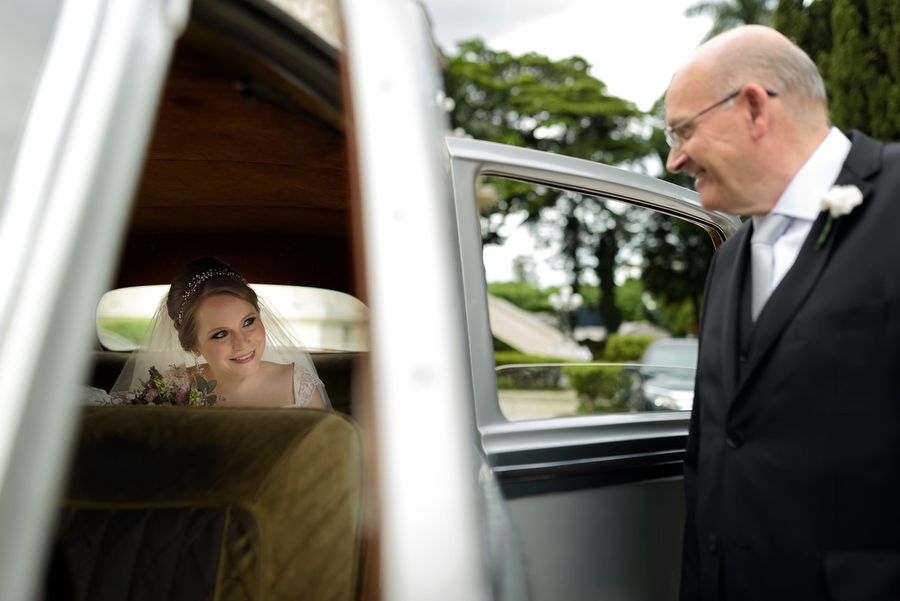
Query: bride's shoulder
x=271, y=369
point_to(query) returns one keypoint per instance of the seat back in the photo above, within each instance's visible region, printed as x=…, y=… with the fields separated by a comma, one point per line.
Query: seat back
x=210, y=503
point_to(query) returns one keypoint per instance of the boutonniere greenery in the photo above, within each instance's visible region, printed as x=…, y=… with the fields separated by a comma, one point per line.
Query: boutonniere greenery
x=838, y=201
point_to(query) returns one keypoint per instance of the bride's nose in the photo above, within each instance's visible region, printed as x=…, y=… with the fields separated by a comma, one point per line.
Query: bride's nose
x=238, y=341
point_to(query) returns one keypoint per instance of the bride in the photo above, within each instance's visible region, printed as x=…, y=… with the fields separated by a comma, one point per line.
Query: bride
x=211, y=324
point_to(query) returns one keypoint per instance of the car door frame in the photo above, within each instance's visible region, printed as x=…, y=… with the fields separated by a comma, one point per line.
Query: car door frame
x=537, y=459
x=76, y=167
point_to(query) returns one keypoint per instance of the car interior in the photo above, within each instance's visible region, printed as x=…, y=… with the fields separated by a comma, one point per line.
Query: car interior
x=247, y=163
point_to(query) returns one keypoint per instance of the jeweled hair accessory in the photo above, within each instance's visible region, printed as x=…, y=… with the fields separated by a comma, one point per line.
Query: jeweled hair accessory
x=199, y=279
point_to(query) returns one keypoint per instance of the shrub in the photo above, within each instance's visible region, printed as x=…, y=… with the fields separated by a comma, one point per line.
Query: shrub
x=600, y=389
x=622, y=348
x=532, y=378
x=509, y=357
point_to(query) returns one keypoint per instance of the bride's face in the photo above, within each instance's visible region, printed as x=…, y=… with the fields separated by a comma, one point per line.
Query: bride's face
x=230, y=336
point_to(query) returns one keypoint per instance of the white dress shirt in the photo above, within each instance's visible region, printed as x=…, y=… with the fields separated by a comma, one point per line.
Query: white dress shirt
x=802, y=200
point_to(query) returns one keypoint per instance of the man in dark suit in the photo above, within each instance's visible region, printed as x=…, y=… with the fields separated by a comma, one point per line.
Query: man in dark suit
x=792, y=471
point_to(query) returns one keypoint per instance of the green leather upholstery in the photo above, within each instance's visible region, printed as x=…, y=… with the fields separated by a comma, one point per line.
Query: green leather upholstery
x=213, y=503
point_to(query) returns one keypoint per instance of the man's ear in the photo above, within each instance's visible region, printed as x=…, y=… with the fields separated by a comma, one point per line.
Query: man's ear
x=759, y=110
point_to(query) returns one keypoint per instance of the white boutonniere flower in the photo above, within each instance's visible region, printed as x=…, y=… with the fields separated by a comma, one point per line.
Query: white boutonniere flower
x=838, y=201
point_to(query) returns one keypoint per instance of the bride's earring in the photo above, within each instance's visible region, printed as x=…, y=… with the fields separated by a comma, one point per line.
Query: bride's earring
x=197, y=362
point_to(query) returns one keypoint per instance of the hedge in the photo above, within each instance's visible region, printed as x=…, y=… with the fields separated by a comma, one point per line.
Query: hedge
x=599, y=389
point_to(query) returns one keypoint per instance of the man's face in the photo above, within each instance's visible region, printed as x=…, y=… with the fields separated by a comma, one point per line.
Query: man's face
x=711, y=144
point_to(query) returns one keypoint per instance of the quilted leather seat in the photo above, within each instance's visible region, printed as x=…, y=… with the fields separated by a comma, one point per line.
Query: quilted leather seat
x=209, y=503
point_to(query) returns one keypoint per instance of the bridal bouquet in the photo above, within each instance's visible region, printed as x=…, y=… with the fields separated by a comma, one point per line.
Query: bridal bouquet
x=175, y=386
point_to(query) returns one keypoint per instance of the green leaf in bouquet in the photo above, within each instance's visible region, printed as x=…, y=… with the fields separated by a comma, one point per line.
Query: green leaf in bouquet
x=211, y=399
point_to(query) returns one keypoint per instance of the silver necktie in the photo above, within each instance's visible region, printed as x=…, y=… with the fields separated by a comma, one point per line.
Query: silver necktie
x=762, y=259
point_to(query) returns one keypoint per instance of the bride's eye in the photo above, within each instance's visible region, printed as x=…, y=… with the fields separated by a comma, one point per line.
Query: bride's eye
x=249, y=321
x=219, y=335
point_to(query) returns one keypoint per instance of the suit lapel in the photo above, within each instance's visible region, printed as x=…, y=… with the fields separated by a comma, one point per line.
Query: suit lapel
x=862, y=164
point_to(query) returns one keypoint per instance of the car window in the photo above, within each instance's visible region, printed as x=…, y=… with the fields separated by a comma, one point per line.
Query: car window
x=682, y=354
x=587, y=297
x=325, y=320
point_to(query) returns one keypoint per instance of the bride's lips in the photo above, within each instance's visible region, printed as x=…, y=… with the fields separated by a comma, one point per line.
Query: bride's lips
x=245, y=358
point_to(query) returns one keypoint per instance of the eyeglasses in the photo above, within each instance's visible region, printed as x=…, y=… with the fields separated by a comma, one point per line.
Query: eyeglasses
x=676, y=140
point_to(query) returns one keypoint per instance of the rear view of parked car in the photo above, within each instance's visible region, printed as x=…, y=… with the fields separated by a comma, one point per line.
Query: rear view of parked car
x=665, y=378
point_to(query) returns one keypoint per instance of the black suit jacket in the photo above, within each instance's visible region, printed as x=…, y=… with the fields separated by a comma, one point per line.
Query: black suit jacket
x=792, y=471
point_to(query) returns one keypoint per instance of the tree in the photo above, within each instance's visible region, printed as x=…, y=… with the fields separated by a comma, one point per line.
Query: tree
x=531, y=101
x=555, y=106
x=856, y=45
x=728, y=14
x=524, y=295
x=676, y=256
x=807, y=24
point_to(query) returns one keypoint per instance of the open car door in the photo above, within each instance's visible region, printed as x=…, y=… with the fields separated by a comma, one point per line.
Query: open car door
x=596, y=498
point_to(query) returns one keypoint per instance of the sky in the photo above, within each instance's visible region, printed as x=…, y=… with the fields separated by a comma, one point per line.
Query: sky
x=634, y=46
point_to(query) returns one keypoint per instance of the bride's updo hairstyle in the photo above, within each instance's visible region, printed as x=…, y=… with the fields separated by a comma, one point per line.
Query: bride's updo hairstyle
x=194, y=283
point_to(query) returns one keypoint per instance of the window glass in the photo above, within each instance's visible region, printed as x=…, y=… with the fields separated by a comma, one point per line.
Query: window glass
x=594, y=303
x=325, y=320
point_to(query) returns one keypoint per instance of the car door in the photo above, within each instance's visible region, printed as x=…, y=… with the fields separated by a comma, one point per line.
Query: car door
x=596, y=499
x=73, y=159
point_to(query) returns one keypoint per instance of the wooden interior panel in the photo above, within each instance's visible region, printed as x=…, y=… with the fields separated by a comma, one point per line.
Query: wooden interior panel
x=241, y=167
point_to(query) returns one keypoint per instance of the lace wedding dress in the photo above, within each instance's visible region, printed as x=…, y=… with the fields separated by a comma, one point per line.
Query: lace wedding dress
x=305, y=385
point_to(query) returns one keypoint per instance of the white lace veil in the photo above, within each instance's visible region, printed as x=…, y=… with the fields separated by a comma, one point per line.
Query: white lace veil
x=160, y=348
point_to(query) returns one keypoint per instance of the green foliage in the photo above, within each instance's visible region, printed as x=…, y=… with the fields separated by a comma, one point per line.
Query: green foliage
x=529, y=100
x=536, y=378
x=863, y=67
x=499, y=345
x=677, y=255
x=630, y=300
x=622, y=348
x=727, y=14
x=514, y=357
x=856, y=44
x=605, y=389
x=130, y=328
x=522, y=294
x=680, y=319
x=660, y=147
x=600, y=389
x=555, y=106
x=808, y=25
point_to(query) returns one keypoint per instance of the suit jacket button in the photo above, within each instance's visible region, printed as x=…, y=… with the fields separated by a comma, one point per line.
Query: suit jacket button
x=713, y=543
x=734, y=440
x=743, y=357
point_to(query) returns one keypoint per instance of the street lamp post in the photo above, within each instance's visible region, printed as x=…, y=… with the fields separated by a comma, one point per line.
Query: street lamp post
x=565, y=302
